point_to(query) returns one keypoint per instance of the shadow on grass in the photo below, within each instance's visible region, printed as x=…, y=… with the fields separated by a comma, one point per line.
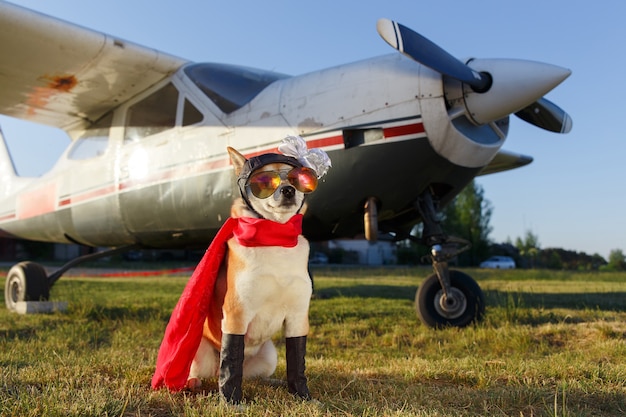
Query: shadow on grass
x=22, y=334
x=517, y=307
x=141, y=314
x=90, y=328
x=393, y=292
x=608, y=301
x=612, y=301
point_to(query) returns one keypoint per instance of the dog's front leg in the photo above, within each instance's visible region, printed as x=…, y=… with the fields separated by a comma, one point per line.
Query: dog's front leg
x=296, y=380
x=231, y=367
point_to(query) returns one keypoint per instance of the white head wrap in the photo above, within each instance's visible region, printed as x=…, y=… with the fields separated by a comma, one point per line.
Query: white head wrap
x=316, y=159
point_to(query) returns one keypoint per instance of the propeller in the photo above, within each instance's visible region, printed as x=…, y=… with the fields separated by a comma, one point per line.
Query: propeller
x=507, y=86
x=422, y=50
x=546, y=115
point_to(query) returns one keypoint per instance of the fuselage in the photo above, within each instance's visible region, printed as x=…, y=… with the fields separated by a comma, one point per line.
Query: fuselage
x=155, y=170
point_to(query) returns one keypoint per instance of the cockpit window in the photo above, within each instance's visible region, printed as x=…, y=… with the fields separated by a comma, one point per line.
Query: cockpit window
x=154, y=114
x=230, y=87
x=191, y=115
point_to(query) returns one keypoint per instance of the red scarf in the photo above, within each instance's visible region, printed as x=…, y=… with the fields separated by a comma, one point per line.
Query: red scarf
x=184, y=330
x=250, y=231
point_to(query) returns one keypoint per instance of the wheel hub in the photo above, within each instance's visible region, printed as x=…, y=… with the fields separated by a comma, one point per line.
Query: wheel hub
x=452, y=306
x=14, y=291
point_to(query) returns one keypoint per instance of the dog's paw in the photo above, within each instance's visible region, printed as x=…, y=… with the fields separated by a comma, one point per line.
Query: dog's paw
x=194, y=384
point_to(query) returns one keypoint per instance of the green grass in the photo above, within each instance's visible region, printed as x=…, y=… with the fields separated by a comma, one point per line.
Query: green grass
x=551, y=344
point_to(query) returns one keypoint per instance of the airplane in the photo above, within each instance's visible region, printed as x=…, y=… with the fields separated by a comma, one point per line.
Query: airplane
x=147, y=166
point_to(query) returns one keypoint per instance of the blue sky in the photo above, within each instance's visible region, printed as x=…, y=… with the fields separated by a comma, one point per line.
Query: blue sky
x=572, y=196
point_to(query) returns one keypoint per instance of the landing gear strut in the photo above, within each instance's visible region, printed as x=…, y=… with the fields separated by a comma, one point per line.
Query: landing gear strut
x=447, y=297
x=28, y=281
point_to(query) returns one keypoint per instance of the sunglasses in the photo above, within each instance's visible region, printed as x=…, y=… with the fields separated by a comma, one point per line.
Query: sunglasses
x=264, y=183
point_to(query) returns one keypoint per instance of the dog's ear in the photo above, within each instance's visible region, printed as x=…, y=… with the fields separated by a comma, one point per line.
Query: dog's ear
x=237, y=159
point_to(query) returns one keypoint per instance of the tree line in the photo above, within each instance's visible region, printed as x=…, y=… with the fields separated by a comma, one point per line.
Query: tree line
x=468, y=216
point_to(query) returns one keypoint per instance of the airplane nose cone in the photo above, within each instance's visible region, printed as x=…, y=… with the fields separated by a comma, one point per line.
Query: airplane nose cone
x=516, y=84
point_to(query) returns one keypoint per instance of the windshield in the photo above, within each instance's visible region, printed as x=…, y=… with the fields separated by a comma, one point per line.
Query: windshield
x=230, y=87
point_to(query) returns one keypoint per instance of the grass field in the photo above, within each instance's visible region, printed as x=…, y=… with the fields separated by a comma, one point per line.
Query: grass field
x=551, y=344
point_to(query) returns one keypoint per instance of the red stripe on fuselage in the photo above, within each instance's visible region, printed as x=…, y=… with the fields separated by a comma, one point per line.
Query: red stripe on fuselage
x=313, y=143
x=43, y=200
x=325, y=142
x=413, y=129
x=37, y=202
x=7, y=217
x=78, y=198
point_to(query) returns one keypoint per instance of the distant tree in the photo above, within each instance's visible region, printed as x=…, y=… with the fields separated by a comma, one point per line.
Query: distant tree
x=528, y=248
x=557, y=258
x=409, y=252
x=617, y=260
x=468, y=216
x=504, y=249
x=598, y=261
x=551, y=259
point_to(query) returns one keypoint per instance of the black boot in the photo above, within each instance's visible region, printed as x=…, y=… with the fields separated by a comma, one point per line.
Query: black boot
x=296, y=380
x=231, y=367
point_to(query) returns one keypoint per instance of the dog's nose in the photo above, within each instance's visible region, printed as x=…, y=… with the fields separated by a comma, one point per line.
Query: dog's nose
x=288, y=191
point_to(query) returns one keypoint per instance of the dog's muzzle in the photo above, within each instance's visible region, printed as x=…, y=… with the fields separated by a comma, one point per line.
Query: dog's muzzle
x=288, y=192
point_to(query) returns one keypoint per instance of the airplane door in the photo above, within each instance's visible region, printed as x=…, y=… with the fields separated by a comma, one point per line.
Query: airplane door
x=89, y=190
x=166, y=161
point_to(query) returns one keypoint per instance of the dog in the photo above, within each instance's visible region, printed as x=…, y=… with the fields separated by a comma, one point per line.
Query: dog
x=260, y=290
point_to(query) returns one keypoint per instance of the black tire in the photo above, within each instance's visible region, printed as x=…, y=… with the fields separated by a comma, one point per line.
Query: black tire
x=26, y=281
x=468, y=304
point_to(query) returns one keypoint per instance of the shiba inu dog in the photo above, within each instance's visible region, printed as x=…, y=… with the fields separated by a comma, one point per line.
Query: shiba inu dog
x=263, y=284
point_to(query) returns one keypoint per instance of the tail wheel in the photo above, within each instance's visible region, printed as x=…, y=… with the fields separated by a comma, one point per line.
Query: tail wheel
x=464, y=305
x=26, y=281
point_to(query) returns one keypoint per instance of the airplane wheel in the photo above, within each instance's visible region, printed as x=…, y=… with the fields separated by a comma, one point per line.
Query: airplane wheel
x=26, y=281
x=465, y=303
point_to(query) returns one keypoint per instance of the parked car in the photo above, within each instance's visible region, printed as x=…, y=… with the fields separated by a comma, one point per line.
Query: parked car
x=498, y=262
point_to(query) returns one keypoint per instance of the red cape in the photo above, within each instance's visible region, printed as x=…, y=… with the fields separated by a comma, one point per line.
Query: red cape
x=184, y=330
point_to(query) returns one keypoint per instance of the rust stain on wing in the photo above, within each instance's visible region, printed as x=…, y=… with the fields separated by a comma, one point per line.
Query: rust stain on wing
x=56, y=84
x=62, y=82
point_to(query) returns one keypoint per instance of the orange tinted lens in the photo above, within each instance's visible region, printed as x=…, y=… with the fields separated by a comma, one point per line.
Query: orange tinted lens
x=304, y=179
x=264, y=183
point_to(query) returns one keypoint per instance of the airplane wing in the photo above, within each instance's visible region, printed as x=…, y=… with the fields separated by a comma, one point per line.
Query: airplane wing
x=504, y=161
x=60, y=74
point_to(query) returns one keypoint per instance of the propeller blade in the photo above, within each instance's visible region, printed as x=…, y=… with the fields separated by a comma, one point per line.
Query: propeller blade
x=546, y=115
x=429, y=54
x=515, y=83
